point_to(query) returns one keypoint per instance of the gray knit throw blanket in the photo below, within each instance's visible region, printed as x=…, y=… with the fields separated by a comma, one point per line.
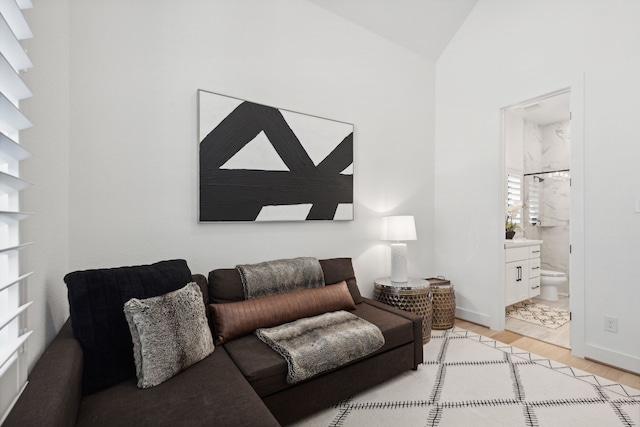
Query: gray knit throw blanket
x=280, y=276
x=316, y=344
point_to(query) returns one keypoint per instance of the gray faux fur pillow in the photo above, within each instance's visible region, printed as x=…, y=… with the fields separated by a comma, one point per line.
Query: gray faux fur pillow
x=169, y=333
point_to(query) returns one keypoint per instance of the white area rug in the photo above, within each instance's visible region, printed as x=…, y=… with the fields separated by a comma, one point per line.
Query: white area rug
x=538, y=314
x=471, y=380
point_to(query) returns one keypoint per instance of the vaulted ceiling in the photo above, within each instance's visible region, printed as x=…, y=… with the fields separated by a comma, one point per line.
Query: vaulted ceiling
x=423, y=26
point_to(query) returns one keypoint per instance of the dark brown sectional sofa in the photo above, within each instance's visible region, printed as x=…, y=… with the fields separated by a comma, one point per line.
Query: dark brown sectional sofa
x=242, y=383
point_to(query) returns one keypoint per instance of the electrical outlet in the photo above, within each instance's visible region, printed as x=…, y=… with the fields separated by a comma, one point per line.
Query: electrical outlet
x=611, y=324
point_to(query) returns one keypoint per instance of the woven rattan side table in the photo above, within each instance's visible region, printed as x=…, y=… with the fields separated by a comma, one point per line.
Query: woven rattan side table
x=410, y=296
x=443, y=303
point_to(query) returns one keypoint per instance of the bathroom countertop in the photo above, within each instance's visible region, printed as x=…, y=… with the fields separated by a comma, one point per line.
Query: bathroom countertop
x=517, y=243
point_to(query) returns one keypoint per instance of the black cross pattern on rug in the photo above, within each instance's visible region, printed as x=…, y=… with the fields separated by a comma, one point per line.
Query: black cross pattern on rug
x=468, y=379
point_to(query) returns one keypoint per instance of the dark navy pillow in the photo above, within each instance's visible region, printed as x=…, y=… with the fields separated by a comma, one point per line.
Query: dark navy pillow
x=96, y=301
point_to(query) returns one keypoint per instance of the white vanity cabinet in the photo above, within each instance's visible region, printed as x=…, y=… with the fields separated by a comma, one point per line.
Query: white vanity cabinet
x=534, y=271
x=522, y=270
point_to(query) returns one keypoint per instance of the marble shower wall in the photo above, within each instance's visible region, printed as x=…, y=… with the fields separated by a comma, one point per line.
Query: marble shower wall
x=547, y=148
x=556, y=146
x=555, y=199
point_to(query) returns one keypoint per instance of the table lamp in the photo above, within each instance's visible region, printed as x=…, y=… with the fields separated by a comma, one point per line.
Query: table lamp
x=397, y=228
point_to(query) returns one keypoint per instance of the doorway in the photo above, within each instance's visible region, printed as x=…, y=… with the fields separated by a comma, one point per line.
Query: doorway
x=537, y=139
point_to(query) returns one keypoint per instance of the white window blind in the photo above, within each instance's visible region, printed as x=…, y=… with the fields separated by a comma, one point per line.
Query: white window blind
x=514, y=195
x=13, y=283
x=533, y=202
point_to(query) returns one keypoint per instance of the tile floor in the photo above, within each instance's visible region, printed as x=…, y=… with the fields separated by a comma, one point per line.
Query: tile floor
x=558, y=336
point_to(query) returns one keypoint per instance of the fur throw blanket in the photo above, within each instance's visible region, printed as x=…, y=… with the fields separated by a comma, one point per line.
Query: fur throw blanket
x=316, y=344
x=280, y=276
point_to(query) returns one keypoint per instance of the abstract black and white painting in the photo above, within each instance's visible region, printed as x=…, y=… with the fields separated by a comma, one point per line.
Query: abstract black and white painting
x=260, y=163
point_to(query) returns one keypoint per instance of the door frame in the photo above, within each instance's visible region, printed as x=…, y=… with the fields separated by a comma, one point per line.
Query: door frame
x=577, y=221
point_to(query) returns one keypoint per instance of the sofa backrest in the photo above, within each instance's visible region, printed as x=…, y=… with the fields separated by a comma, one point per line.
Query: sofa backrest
x=225, y=284
x=338, y=269
x=96, y=300
x=204, y=286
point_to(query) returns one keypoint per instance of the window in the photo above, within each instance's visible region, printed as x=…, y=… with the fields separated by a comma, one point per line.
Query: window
x=514, y=195
x=533, y=199
x=13, y=283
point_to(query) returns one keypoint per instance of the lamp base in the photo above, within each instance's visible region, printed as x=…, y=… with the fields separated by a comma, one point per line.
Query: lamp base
x=399, y=262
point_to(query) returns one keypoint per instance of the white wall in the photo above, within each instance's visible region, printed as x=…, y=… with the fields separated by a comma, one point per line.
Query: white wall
x=513, y=128
x=500, y=57
x=129, y=134
x=48, y=170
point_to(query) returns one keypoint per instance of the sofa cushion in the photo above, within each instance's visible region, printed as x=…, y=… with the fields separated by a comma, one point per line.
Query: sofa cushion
x=52, y=395
x=225, y=284
x=266, y=370
x=235, y=319
x=169, y=332
x=212, y=392
x=96, y=301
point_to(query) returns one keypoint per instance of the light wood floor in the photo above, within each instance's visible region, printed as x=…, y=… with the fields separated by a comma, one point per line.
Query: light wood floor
x=553, y=352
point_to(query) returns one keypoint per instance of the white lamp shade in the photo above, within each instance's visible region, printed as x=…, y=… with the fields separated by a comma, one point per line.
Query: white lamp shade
x=397, y=228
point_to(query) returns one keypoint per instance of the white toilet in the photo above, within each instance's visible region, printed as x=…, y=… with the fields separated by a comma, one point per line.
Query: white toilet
x=549, y=282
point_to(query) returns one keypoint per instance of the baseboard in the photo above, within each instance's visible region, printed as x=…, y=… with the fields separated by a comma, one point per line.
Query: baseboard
x=612, y=358
x=473, y=316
